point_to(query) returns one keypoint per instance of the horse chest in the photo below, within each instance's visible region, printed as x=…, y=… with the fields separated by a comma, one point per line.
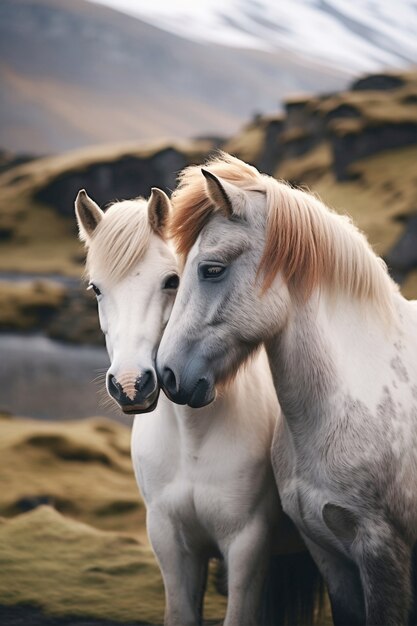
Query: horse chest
x=200, y=509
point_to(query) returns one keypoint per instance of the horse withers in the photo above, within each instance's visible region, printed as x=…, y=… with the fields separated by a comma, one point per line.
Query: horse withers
x=205, y=474
x=266, y=263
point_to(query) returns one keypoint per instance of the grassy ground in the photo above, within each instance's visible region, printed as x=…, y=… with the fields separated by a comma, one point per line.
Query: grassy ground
x=72, y=524
x=34, y=238
x=73, y=540
x=70, y=568
x=383, y=195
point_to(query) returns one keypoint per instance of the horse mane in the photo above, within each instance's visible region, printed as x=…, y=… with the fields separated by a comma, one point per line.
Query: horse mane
x=120, y=240
x=312, y=245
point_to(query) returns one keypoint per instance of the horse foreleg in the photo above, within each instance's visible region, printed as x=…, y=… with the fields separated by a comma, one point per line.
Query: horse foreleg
x=184, y=573
x=247, y=558
x=343, y=585
x=384, y=561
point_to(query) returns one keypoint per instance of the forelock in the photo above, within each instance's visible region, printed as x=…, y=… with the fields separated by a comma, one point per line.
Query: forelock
x=120, y=240
x=192, y=206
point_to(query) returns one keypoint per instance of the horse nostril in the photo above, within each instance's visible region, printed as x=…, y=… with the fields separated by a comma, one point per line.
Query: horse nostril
x=169, y=381
x=146, y=383
x=113, y=386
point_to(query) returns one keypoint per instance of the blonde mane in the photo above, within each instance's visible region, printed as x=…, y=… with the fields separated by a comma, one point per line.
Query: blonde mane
x=120, y=240
x=309, y=243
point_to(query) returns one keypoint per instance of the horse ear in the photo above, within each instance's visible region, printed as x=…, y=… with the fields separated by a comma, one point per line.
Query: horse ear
x=227, y=197
x=159, y=207
x=88, y=214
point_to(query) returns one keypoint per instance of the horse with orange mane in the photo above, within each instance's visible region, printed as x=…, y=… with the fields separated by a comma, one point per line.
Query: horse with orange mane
x=266, y=263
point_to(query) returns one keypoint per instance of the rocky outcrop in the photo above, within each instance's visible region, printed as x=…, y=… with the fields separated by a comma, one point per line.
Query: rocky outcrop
x=66, y=312
x=379, y=82
x=402, y=258
x=126, y=176
x=377, y=113
x=8, y=160
x=352, y=145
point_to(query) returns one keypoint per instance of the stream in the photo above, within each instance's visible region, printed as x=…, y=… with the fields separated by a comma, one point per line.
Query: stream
x=46, y=379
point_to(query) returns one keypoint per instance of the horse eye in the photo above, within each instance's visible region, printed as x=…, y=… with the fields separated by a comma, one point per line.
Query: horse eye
x=95, y=289
x=171, y=282
x=212, y=270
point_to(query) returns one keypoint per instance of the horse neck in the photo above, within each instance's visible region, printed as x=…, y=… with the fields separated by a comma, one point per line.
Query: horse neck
x=195, y=425
x=329, y=350
x=232, y=413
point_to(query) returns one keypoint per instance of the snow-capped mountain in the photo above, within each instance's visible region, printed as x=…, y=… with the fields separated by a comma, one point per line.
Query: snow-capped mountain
x=349, y=35
x=77, y=73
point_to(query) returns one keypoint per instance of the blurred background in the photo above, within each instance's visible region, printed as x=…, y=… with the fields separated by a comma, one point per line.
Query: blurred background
x=116, y=97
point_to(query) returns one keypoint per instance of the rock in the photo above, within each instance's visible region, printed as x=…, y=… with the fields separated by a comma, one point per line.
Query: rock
x=271, y=154
x=365, y=140
x=402, y=258
x=126, y=177
x=378, y=82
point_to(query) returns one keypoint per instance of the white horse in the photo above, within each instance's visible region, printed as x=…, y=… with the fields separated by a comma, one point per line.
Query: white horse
x=268, y=263
x=205, y=474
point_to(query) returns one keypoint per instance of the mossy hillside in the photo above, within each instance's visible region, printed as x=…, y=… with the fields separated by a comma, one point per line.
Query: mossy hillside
x=374, y=119
x=69, y=568
x=83, y=468
x=38, y=237
x=34, y=238
x=380, y=199
x=37, y=224
x=251, y=143
x=409, y=288
x=371, y=107
x=72, y=537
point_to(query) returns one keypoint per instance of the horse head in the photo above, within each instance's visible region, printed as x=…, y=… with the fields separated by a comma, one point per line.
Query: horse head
x=133, y=273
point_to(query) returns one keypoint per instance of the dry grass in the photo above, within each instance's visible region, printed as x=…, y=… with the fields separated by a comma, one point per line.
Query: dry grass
x=82, y=467
x=88, y=555
x=68, y=568
x=385, y=192
x=250, y=142
x=409, y=288
x=40, y=240
x=308, y=167
x=374, y=107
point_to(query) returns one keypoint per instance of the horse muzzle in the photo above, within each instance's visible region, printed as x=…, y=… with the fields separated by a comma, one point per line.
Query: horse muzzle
x=195, y=387
x=134, y=394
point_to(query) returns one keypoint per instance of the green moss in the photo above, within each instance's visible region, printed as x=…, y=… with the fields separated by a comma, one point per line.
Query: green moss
x=307, y=168
x=249, y=143
x=74, y=465
x=89, y=555
x=409, y=288
x=68, y=568
x=385, y=190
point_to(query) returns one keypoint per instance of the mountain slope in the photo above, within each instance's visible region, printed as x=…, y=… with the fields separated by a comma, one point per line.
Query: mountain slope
x=359, y=35
x=79, y=73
